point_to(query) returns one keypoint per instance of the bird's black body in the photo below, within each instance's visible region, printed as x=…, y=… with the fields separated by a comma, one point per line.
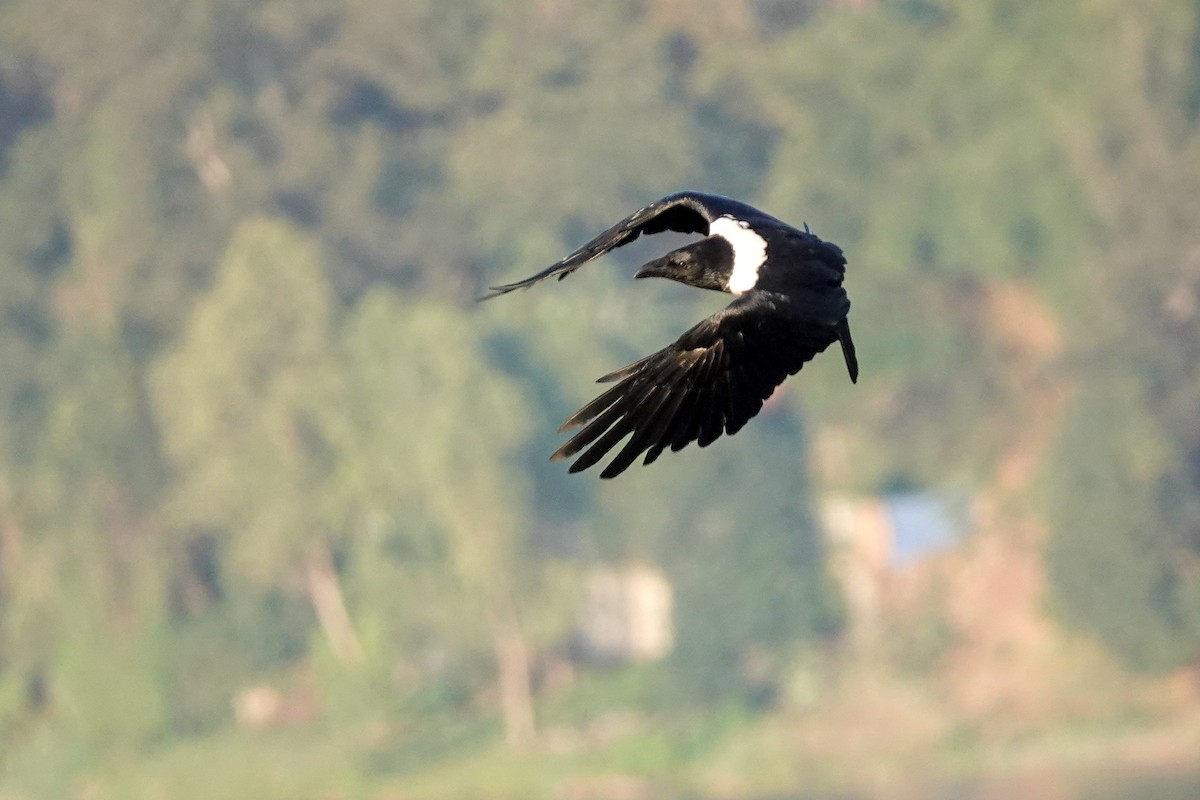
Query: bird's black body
x=790, y=305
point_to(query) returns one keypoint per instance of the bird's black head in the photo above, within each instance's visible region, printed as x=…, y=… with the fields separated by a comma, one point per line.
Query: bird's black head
x=705, y=264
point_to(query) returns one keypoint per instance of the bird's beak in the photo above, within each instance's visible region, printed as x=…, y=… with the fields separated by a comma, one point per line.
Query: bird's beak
x=658, y=268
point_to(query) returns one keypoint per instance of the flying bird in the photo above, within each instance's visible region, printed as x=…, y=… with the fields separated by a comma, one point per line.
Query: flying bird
x=788, y=306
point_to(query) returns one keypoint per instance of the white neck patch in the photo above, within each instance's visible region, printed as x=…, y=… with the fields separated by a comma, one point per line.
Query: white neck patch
x=749, y=251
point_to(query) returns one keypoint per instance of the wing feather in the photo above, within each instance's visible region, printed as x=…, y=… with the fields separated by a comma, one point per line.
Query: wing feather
x=684, y=212
x=710, y=382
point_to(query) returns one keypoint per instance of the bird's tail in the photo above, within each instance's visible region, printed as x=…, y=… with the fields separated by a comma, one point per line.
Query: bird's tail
x=843, y=334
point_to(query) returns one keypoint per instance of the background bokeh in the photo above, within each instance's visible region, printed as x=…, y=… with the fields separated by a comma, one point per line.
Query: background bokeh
x=276, y=519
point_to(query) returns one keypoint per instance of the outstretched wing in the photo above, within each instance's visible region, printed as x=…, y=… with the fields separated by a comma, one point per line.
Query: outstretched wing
x=712, y=380
x=685, y=212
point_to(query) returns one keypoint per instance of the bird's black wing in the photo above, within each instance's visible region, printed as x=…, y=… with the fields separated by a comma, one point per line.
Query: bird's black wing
x=685, y=212
x=712, y=380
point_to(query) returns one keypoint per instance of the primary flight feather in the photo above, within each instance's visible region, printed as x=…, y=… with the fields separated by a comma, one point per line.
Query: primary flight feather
x=789, y=305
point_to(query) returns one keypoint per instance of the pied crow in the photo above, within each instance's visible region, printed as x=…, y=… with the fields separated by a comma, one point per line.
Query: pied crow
x=788, y=306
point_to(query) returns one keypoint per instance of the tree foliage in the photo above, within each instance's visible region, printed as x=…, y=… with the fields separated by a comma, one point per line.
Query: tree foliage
x=240, y=401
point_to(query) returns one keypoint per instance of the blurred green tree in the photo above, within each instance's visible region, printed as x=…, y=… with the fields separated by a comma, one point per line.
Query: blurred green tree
x=433, y=429
x=242, y=401
x=1125, y=501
